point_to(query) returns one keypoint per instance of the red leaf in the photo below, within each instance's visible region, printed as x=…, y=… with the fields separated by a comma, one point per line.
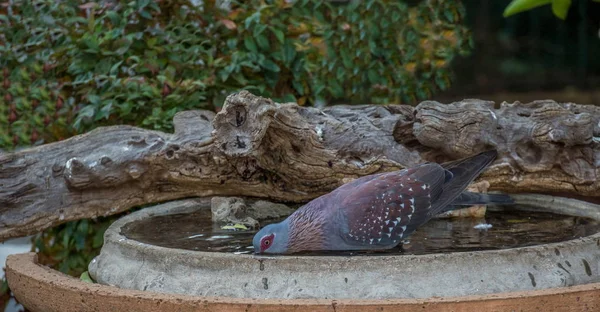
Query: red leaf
x=89, y=5
x=229, y=24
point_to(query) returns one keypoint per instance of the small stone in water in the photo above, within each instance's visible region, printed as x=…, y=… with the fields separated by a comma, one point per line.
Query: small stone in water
x=483, y=226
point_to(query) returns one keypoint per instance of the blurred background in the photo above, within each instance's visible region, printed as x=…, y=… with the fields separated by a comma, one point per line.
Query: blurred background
x=69, y=66
x=529, y=56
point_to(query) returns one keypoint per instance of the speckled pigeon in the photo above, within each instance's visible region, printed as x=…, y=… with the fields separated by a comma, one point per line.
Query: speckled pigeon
x=378, y=211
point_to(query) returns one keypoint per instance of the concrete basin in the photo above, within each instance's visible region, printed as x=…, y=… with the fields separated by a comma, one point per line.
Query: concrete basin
x=130, y=264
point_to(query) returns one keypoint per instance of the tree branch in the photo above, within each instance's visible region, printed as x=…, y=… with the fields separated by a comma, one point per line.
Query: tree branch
x=284, y=152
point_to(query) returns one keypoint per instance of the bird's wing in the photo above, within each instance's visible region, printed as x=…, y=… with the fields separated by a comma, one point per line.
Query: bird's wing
x=462, y=173
x=381, y=211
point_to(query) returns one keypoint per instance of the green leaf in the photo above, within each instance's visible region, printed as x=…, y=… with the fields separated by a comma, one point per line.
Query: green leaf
x=145, y=14
x=518, y=6
x=560, y=8
x=254, y=18
x=278, y=33
x=140, y=4
x=289, y=53
x=91, y=44
x=263, y=42
x=115, y=68
x=373, y=76
x=269, y=65
x=346, y=60
x=259, y=29
x=335, y=88
x=298, y=86
x=85, y=276
x=289, y=98
x=249, y=44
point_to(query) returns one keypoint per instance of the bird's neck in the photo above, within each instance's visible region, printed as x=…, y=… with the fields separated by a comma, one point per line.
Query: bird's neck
x=306, y=230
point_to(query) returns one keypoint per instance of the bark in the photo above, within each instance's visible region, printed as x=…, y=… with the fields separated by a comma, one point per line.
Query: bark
x=284, y=152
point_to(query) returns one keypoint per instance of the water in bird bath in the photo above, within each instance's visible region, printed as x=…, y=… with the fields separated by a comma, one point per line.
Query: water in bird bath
x=510, y=229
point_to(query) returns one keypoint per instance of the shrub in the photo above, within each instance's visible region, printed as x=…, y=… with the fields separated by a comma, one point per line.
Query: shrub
x=68, y=66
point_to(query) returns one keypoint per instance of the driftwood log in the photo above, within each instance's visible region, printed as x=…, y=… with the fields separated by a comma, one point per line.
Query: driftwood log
x=284, y=152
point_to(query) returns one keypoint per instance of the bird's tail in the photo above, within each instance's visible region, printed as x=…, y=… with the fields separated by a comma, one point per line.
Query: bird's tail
x=469, y=198
x=459, y=174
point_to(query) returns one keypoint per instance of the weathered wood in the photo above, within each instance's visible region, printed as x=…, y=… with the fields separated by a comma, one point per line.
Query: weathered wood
x=284, y=152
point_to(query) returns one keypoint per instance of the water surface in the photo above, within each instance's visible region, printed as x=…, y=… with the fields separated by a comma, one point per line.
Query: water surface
x=510, y=229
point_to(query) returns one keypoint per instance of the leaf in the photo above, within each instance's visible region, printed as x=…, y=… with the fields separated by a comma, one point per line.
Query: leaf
x=259, y=29
x=105, y=111
x=229, y=24
x=115, y=68
x=269, y=65
x=123, y=46
x=254, y=18
x=518, y=6
x=289, y=53
x=560, y=8
x=145, y=14
x=278, y=33
x=85, y=276
x=288, y=98
x=91, y=44
x=88, y=5
x=298, y=86
x=249, y=44
x=86, y=112
x=373, y=76
x=346, y=60
x=263, y=42
x=142, y=4
x=235, y=227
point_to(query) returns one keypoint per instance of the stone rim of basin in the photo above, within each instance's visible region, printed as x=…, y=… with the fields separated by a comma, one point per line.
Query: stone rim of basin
x=131, y=264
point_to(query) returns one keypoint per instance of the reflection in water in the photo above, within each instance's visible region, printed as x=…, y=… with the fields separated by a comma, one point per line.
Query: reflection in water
x=195, y=231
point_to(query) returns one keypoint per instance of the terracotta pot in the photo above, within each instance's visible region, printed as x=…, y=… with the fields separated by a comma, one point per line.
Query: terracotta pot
x=42, y=289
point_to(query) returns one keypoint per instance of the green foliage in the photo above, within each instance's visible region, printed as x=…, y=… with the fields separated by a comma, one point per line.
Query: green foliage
x=560, y=8
x=71, y=246
x=69, y=66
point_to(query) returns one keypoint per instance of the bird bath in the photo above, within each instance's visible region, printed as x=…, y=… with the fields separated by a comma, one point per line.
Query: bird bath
x=158, y=249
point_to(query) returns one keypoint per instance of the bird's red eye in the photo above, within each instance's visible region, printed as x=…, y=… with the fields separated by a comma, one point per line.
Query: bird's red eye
x=266, y=242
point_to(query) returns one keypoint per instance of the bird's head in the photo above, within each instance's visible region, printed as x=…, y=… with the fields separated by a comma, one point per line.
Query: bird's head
x=273, y=238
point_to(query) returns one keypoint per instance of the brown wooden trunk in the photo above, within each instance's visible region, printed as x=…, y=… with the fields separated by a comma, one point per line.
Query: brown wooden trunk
x=284, y=152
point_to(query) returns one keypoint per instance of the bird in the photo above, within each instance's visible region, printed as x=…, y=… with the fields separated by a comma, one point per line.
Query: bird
x=377, y=212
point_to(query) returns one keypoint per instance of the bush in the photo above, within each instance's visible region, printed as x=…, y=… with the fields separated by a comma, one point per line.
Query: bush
x=68, y=66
